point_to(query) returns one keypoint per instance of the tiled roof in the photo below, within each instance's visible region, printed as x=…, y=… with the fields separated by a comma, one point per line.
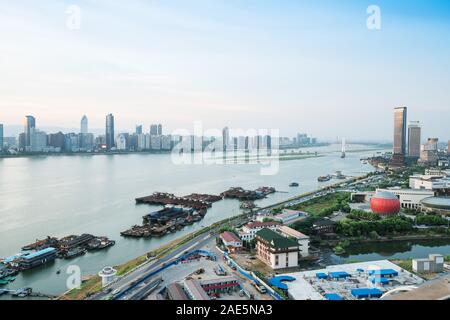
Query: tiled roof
x=276, y=240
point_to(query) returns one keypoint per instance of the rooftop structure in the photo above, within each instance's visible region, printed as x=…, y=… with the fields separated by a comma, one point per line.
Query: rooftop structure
x=175, y=292
x=365, y=280
x=439, y=205
x=290, y=216
x=249, y=231
x=195, y=291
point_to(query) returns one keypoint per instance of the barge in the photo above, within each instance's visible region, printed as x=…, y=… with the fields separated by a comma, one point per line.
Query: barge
x=248, y=195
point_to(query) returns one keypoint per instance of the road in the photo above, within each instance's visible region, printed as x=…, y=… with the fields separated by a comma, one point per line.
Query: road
x=132, y=284
x=137, y=284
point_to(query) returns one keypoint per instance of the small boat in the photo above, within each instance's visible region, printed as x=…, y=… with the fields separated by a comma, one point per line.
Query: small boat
x=58, y=272
x=294, y=184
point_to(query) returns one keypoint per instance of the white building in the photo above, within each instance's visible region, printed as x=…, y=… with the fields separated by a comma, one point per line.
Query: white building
x=290, y=216
x=275, y=250
x=38, y=141
x=231, y=241
x=303, y=240
x=122, y=142
x=166, y=142
x=155, y=142
x=248, y=232
x=429, y=182
x=410, y=198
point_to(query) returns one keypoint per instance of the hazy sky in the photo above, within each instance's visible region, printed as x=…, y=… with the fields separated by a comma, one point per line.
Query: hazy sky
x=300, y=66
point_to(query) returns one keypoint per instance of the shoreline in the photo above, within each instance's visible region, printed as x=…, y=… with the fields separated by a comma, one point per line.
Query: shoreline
x=173, y=245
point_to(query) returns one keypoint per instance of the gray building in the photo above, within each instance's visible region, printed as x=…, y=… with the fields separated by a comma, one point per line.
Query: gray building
x=29, y=126
x=414, y=138
x=1, y=137
x=109, y=134
x=400, y=130
x=84, y=125
x=400, y=116
x=434, y=264
x=139, y=129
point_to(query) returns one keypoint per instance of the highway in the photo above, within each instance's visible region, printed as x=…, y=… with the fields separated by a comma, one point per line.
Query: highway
x=132, y=285
x=137, y=284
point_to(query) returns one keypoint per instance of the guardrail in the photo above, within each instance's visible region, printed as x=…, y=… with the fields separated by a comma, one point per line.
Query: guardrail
x=162, y=268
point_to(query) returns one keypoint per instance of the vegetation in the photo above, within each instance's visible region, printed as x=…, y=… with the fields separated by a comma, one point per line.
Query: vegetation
x=431, y=220
x=388, y=226
x=361, y=215
x=326, y=205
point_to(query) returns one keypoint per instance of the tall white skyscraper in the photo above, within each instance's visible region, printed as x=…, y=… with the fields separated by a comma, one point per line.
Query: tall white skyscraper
x=84, y=125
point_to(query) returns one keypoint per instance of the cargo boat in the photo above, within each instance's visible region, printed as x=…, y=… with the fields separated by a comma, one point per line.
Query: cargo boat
x=324, y=178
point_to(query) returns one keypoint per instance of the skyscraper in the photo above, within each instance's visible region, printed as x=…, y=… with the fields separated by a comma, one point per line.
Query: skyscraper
x=400, y=116
x=159, y=129
x=29, y=125
x=154, y=130
x=139, y=129
x=414, y=138
x=1, y=137
x=448, y=148
x=109, y=132
x=84, y=125
x=225, y=138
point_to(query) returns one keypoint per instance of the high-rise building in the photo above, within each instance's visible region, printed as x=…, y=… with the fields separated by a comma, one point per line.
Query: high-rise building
x=154, y=130
x=400, y=117
x=84, y=125
x=226, y=138
x=448, y=148
x=109, y=132
x=56, y=140
x=429, y=151
x=139, y=129
x=29, y=125
x=414, y=138
x=38, y=141
x=1, y=137
x=160, y=132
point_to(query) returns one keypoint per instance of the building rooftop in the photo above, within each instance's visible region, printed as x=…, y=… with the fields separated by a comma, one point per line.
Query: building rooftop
x=293, y=233
x=229, y=236
x=276, y=240
x=437, y=202
x=258, y=225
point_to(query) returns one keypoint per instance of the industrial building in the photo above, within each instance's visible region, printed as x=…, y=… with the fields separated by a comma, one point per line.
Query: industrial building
x=363, y=280
x=433, y=264
x=275, y=250
x=176, y=292
x=194, y=290
x=290, y=216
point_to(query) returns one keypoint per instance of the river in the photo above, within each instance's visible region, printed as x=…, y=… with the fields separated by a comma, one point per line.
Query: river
x=63, y=195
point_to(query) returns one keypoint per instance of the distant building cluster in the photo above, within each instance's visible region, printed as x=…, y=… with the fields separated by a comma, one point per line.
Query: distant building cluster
x=408, y=146
x=33, y=140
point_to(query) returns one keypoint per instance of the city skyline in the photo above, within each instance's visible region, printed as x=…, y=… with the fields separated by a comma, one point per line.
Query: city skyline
x=227, y=64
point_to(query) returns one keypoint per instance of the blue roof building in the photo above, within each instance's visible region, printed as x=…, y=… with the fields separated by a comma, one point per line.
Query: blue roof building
x=362, y=293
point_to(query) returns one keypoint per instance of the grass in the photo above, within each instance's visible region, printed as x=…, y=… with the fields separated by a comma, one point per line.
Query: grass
x=316, y=206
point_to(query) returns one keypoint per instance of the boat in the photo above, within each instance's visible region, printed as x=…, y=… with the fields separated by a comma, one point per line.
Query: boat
x=73, y=253
x=324, y=178
x=294, y=184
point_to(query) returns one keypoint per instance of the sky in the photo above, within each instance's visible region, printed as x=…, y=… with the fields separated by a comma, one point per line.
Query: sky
x=297, y=66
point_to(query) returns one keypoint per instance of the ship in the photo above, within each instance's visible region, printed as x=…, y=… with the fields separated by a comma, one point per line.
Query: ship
x=294, y=184
x=73, y=253
x=324, y=178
